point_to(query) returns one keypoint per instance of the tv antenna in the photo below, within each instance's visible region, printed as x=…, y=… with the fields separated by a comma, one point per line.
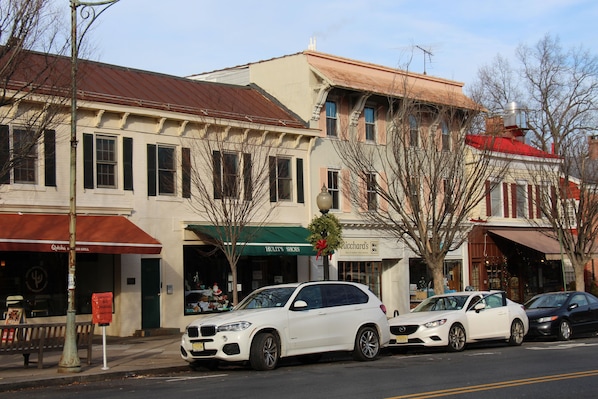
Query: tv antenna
x=426, y=53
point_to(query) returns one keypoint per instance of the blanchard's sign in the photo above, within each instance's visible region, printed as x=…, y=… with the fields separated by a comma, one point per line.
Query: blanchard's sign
x=360, y=247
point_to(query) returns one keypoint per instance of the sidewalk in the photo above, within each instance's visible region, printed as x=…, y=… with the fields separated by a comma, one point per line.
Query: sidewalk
x=125, y=356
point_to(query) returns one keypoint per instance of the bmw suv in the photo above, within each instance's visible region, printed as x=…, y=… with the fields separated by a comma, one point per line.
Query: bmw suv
x=299, y=319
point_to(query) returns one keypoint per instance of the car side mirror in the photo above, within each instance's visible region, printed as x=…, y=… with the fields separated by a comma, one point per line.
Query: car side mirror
x=300, y=305
x=573, y=306
x=479, y=306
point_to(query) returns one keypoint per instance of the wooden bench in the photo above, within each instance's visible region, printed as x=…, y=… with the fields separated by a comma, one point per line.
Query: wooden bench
x=39, y=338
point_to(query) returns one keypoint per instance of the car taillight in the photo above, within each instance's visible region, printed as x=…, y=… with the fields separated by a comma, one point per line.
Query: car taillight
x=383, y=308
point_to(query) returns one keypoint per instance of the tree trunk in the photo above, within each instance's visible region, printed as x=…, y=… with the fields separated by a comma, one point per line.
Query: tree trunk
x=233, y=272
x=438, y=276
x=579, y=269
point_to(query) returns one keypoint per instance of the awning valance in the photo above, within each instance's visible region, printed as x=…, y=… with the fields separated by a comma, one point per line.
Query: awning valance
x=265, y=241
x=94, y=234
x=533, y=239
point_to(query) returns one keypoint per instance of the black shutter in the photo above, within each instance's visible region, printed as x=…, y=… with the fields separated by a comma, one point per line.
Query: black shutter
x=272, y=165
x=217, y=174
x=300, y=189
x=186, y=167
x=128, y=163
x=247, y=182
x=50, y=157
x=88, y=160
x=4, y=155
x=151, y=170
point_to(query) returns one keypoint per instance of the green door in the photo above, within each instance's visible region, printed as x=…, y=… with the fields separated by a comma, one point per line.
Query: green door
x=150, y=293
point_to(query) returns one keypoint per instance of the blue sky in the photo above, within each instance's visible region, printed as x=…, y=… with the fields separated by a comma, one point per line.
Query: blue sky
x=185, y=37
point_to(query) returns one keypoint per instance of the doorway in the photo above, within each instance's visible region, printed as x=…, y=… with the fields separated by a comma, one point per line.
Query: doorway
x=150, y=293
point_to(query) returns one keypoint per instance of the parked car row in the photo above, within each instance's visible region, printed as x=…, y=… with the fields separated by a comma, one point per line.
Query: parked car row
x=308, y=319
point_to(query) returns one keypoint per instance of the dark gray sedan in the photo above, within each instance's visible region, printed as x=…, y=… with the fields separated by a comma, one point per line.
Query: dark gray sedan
x=562, y=314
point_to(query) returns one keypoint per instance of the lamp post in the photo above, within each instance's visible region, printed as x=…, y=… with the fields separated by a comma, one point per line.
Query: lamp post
x=69, y=361
x=324, y=202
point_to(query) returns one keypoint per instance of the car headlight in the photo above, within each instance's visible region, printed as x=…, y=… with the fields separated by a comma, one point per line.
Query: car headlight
x=237, y=326
x=547, y=319
x=435, y=323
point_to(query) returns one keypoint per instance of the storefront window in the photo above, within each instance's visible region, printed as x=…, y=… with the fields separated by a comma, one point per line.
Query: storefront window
x=367, y=273
x=208, y=280
x=421, y=277
x=40, y=280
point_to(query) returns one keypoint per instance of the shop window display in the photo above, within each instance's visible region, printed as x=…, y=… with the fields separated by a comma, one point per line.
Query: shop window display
x=208, y=280
x=40, y=279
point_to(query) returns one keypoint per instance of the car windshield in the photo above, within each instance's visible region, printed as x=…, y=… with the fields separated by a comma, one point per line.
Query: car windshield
x=547, y=301
x=453, y=302
x=267, y=298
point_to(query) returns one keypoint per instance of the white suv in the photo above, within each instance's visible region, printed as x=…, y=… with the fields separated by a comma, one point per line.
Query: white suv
x=300, y=319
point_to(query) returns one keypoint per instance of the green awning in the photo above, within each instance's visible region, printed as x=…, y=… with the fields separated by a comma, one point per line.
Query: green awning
x=266, y=241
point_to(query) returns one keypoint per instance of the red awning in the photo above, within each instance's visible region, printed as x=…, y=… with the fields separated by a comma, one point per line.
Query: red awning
x=94, y=234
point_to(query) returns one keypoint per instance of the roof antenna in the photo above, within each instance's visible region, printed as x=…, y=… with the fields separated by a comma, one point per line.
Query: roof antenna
x=312, y=44
x=428, y=53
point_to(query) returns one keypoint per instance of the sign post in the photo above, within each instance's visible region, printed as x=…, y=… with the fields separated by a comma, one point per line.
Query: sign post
x=101, y=311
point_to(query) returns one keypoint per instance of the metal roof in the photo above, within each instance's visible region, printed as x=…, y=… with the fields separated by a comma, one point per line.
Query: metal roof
x=112, y=84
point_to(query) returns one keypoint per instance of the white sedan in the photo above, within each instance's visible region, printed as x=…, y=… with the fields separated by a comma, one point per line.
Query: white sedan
x=455, y=319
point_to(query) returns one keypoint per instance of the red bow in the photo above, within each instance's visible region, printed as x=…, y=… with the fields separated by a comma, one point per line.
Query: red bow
x=321, y=245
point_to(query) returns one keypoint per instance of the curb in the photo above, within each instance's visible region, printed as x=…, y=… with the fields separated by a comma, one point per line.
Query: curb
x=95, y=377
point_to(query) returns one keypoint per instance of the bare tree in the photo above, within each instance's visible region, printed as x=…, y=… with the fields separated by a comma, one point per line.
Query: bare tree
x=230, y=187
x=569, y=202
x=32, y=91
x=423, y=185
x=558, y=87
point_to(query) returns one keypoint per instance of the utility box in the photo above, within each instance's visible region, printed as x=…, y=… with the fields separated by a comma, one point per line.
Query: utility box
x=101, y=308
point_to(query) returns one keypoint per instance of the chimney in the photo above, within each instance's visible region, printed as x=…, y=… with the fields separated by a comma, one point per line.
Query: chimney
x=515, y=121
x=593, y=147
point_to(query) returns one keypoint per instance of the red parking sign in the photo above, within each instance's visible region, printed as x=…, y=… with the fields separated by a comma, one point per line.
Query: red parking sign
x=101, y=308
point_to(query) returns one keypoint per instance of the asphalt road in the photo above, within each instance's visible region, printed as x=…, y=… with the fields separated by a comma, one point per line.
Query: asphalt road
x=534, y=370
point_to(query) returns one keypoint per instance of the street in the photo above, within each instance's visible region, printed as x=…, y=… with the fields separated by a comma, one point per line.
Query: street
x=536, y=369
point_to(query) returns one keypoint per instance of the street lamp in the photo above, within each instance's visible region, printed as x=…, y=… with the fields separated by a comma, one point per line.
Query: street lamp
x=69, y=361
x=324, y=202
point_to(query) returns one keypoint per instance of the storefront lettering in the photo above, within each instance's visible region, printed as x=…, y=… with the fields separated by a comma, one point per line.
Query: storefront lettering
x=65, y=248
x=281, y=249
x=359, y=247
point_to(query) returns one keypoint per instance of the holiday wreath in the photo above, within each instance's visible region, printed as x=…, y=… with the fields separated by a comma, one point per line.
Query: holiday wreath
x=325, y=234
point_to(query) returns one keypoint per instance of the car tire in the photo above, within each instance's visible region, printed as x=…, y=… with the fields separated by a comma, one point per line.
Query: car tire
x=564, y=332
x=367, y=344
x=517, y=333
x=456, y=338
x=264, y=352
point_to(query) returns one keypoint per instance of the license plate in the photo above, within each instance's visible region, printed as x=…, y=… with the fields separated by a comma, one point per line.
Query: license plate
x=198, y=347
x=402, y=339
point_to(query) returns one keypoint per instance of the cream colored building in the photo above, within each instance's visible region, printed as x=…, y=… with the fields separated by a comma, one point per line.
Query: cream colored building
x=338, y=95
x=136, y=134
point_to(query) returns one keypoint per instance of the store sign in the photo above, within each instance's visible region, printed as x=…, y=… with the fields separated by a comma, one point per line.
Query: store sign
x=65, y=248
x=282, y=249
x=360, y=247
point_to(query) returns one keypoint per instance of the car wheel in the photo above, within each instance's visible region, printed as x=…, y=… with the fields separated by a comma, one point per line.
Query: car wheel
x=367, y=344
x=517, y=333
x=264, y=353
x=564, y=333
x=456, y=338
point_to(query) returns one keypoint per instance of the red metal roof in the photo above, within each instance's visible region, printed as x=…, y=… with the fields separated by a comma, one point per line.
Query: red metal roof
x=506, y=145
x=112, y=84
